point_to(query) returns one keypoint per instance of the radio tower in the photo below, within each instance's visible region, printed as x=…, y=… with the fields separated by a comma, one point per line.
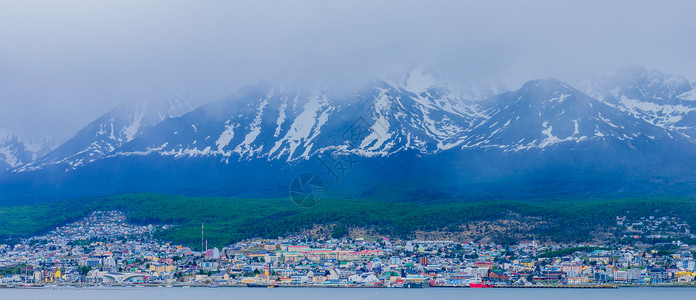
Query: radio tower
x=201, y=236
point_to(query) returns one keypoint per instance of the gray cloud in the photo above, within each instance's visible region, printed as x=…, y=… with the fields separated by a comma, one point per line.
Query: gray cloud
x=63, y=63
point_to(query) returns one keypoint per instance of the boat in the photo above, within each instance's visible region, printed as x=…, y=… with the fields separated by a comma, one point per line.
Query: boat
x=443, y=283
x=439, y=283
x=262, y=285
x=411, y=285
x=478, y=283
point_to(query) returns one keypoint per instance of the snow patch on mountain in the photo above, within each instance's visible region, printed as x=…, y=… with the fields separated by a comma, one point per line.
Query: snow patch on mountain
x=419, y=82
x=131, y=130
x=281, y=116
x=688, y=96
x=559, y=98
x=17, y=151
x=254, y=131
x=226, y=136
x=657, y=114
x=379, y=131
x=315, y=113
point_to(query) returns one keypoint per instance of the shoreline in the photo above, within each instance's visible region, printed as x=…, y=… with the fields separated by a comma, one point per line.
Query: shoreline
x=116, y=287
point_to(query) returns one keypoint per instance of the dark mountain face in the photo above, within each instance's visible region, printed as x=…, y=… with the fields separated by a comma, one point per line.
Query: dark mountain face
x=412, y=141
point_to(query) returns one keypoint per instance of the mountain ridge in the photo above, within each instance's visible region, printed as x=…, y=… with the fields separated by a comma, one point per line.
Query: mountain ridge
x=110, y=131
x=386, y=140
x=16, y=151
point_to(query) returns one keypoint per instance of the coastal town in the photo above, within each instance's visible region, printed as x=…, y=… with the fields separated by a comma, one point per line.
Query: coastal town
x=103, y=249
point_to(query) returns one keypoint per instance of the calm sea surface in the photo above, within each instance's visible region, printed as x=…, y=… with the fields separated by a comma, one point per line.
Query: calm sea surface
x=346, y=293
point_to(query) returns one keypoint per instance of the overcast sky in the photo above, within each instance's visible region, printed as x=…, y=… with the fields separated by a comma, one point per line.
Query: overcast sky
x=64, y=63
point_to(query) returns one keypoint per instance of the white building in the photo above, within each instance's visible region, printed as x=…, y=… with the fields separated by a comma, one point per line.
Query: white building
x=620, y=276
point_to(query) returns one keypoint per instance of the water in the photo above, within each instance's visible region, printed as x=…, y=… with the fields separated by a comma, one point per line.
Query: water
x=176, y=293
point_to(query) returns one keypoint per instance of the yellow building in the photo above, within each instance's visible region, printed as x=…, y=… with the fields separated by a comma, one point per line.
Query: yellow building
x=246, y=280
x=161, y=268
x=683, y=273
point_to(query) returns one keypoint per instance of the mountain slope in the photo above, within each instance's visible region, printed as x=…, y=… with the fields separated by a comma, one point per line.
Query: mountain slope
x=109, y=132
x=16, y=151
x=661, y=99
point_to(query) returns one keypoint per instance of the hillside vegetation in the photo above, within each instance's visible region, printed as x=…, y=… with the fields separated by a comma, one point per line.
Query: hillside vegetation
x=231, y=219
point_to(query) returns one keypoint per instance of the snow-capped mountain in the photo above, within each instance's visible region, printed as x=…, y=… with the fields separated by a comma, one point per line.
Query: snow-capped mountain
x=17, y=151
x=664, y=100
x=110, y=131
x=288, y=124
x=414, y=138
x=548, y=112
